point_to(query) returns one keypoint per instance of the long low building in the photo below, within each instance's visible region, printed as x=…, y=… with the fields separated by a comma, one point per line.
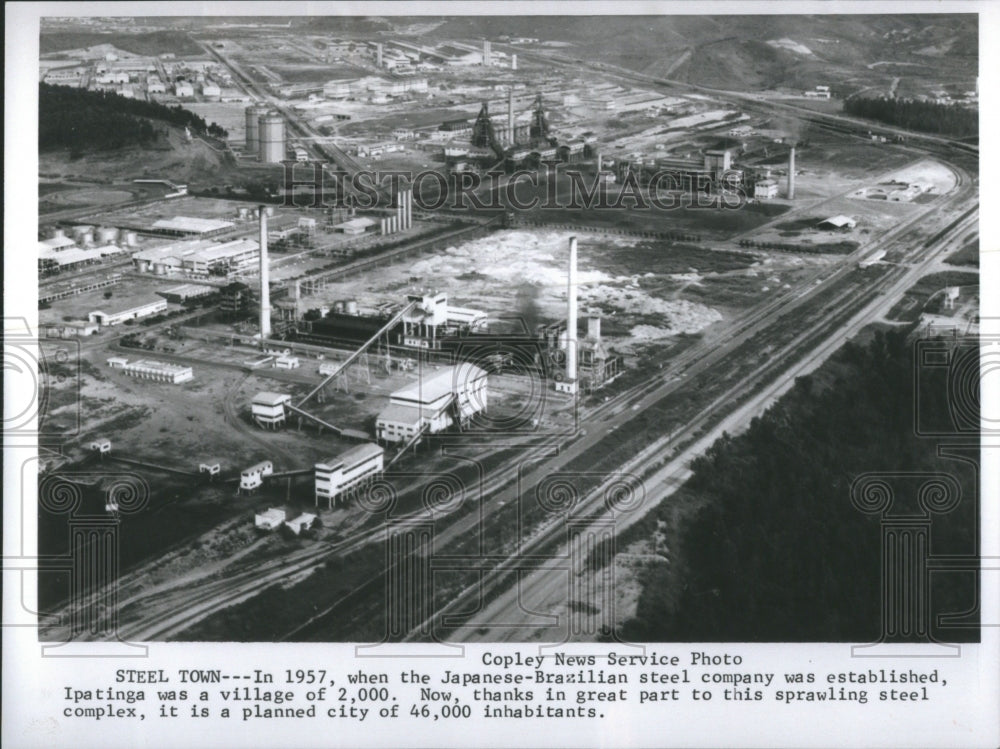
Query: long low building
x=149, y=369
x=344, y=474
x=437, y=401
x=103, y=318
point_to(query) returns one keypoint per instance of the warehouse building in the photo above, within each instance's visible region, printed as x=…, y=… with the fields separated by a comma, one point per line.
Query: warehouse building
x=182, y=293
x=344, y=475
x=133, y=313
x=158, y=371
x=434, y=403
x=186, y=226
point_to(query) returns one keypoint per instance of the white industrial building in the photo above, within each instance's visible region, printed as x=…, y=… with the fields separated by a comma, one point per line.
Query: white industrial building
x=253, y=477
x=270, y=519
x=268, y=409
x=348, y=472
x=188, y=226
x=199, y=258
x=149, y=369
x=434, y=403
x=132, y=313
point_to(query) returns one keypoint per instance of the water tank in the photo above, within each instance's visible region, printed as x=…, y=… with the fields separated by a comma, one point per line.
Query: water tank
x=351, y=307
x=107, y=234
x=338, y=306
x=86, y=237
x=244, y=214
x=79, y=231
x=159, y=269
x=253, y=114
x=271, y=131
x=130, y=239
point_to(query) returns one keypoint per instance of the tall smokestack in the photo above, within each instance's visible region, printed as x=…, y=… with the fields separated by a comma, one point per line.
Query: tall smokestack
x=791, y=173
x=571, y=318
x=378, y=55
x=513, y=62
x=486, y=53
x=265, y=290
x=510, y=115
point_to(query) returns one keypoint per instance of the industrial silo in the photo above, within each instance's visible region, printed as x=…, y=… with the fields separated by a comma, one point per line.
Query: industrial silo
x=254, y=112
x=271, y=131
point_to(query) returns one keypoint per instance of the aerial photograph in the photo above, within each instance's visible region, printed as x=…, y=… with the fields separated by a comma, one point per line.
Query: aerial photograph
x=555, y=329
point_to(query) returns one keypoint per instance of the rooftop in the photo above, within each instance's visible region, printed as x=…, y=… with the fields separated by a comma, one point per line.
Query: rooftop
x=270, y=398
x=433, y=386
x=354, y=456
x=192, y=225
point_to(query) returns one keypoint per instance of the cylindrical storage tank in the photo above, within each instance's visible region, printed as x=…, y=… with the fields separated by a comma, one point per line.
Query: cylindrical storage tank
x=351, y=307
x=271, y=131
x=57, y=233
x=159, y=269
x=79, y=231
x=338, y=306
x=107, y=234
x=131, y=239
x=253, y=113
x=244, y=214
x=269, y=210
x=86, y=237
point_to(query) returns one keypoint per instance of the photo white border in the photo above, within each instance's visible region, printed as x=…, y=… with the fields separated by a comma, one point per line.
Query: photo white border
x=967, y=718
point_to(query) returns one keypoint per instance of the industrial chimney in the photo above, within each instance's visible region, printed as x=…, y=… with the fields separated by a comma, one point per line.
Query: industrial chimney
x=791, y=173
x=486, y=53
x=513, y=62
x=378, y=55
x=510, y=116
x=571, y=320
x=265, y=290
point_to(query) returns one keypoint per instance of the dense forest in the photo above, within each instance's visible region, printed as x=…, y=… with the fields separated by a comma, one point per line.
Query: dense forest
x=98, y=120
x=776, y=550
x=926, y=116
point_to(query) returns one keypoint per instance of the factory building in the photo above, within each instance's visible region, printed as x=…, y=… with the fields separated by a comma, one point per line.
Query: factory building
x=158, y=371
x=267, y=409
x=179, y=294
x=343, y=475
x=201, y=258
x=186, y=226
x=253, y=477
x=434, y=403
x=132, y=313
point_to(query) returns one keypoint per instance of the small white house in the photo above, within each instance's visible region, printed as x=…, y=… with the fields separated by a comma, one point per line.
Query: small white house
x=286, y=362
x=302, y=523
x=101, y=446
x=270, y=519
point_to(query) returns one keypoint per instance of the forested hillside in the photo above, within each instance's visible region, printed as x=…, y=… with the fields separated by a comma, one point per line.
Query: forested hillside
x=778, y=552
x=926, y=116
x=96, y=120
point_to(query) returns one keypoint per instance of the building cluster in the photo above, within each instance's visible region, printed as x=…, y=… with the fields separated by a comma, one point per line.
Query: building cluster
x=143, y=77
x=87, y=246
x=374, y=89
x=199, y=258
x=273, y=518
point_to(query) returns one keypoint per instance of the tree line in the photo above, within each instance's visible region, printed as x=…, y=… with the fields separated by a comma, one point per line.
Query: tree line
x=925, y=116
x=81, y=120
